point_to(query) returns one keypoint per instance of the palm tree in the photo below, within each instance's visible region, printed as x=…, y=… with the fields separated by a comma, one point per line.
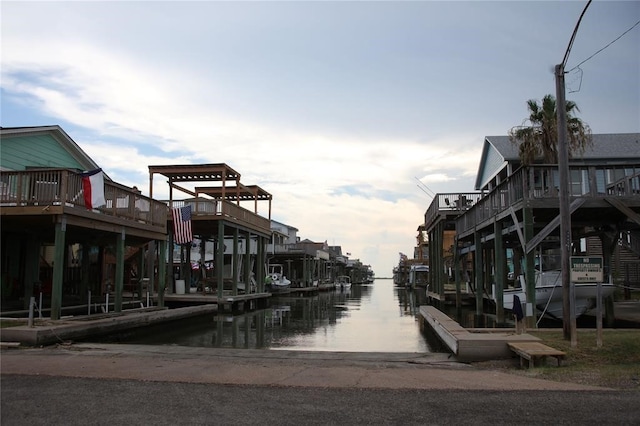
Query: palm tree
x=540, y=139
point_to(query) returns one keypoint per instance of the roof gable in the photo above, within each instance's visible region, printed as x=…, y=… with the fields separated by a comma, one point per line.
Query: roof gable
x=44, y=146
x=498, y=151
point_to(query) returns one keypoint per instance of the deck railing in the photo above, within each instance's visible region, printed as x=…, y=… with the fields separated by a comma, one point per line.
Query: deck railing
x=63, y=187
x=541, y=182
x=450, y=203
x=202, y=207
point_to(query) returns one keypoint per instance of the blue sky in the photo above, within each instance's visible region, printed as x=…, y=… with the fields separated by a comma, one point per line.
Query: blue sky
x=333, y=107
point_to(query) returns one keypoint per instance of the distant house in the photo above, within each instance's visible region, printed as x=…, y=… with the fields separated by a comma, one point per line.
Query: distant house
x=516, y=211
x=282, y=234
x=52, y=243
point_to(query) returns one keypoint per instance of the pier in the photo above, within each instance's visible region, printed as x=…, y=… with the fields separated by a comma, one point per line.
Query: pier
x=226, y=303
x=470, y=344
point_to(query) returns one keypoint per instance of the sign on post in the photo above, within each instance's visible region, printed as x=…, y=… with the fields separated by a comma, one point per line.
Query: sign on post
x=586, y=269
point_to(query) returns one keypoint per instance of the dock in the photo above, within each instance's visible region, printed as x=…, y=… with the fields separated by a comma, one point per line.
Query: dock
x=48, y=332
x=226, y=303
x=475, y=345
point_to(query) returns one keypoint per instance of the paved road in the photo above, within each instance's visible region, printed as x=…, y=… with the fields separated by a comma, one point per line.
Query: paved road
x=122, y=384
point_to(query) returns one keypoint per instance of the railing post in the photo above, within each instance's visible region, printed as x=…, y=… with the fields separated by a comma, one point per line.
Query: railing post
x=63, y=178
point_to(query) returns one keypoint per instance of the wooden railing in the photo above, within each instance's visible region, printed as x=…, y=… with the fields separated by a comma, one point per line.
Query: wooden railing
x=541, y=182
x=450, y=203
x=222, y=208
x=63, y=187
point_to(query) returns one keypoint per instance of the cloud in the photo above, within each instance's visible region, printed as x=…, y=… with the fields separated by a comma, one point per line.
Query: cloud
x=335, y=108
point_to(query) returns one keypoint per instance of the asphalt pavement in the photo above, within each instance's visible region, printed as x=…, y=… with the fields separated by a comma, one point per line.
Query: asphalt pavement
x=128, y=384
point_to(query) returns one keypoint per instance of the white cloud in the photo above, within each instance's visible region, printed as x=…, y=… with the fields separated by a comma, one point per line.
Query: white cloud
x=335, y=114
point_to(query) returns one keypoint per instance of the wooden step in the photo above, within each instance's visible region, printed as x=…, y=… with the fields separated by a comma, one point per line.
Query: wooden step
x=535, y=352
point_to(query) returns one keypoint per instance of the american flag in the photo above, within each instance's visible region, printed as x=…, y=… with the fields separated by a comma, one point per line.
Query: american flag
x=182, y=224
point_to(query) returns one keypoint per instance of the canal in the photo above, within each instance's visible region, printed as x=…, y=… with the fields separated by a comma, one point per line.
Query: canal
x=377, y=317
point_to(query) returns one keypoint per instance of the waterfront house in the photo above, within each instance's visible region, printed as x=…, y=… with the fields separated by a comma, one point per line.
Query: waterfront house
x=514, y=216
x=56, y=246
x=218, y=203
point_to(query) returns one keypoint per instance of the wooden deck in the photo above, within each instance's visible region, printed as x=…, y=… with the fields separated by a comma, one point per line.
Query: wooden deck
x=226, y=303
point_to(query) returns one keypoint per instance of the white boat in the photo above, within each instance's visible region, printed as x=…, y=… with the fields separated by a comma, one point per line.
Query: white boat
x=276, y=279
x=549, y=294
x=343, y=282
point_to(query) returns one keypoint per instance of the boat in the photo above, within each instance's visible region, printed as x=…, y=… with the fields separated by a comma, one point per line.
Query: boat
x=418, y=276
x=549, y=294
x=343, y=282
x=276, y=279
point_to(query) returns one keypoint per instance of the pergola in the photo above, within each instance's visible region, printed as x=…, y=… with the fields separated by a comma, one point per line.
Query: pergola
x=218, y=172
x=218, y=215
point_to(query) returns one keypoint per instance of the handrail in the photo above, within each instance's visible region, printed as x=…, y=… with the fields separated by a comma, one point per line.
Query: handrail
x=63, y=187
x=540, y=182
x=201, y=207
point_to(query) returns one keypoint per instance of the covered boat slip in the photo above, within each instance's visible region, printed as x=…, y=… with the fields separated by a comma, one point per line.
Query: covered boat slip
x=44, y=209
x=500, y=231
x=239, y=235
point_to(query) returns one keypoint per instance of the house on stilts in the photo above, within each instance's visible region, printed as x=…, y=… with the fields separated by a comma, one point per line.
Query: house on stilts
x=58, y=247
x=217, y=199
x=511, y=224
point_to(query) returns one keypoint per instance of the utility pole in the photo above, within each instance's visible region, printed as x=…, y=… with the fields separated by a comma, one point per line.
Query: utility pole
x=568, y=301
x=568, y=289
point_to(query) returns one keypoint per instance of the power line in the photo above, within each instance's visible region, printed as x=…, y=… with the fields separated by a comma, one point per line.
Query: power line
x=573, y=36
x=618, y=38
x=424, y=188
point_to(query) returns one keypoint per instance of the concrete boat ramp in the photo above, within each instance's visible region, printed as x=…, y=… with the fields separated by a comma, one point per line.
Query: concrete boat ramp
x=470, y=345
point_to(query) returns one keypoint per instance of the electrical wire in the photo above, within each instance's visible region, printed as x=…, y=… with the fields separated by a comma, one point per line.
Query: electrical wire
x=618, y=38
x=573, y=37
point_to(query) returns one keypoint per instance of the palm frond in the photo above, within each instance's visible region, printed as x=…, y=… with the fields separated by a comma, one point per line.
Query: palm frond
x=540, y=139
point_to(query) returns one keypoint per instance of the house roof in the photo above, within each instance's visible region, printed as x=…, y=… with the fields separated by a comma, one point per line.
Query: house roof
x=285, y=225
x=497, y=151
x=60, y=136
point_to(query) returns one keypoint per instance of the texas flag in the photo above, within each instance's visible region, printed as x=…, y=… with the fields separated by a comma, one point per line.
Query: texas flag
x=93, y=186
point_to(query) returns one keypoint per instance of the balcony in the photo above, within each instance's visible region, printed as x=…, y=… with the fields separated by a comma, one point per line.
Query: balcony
x=537, y=187
x=205, y=209
x=449, y=206
x=60, y=191
x=219, y=200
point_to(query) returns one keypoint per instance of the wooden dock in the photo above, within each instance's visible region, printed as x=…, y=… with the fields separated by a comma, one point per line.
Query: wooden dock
x=47, y=332
x=226, y=303
x=473, y=345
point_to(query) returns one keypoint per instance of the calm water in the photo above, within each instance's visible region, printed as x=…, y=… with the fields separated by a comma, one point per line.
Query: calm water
x=374, y=317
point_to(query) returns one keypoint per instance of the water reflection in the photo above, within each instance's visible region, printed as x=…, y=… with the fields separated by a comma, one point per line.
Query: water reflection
x=365, y=318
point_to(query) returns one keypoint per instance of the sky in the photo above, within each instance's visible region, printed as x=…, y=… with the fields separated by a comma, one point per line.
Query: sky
x=351, y=114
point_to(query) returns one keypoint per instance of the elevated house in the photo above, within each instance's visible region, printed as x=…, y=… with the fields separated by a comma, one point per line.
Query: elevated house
x=304, y=262
x=53, y=243
x=307, y=262
x=402, y=273
x=219, y=216
x=358, y=272
x=514, y=217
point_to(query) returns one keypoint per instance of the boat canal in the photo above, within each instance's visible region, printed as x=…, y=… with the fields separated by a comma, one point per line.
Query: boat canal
x=377, y=317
